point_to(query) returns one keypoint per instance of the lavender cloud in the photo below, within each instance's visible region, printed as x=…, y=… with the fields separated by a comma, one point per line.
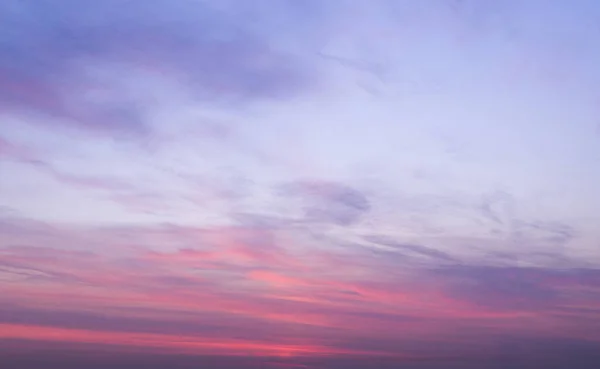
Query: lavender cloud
x=196, y=43
x=329, y=202
x=413, y=248
x=535, y=289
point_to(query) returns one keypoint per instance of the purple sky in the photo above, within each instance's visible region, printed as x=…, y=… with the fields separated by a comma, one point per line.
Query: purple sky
x=299, y=184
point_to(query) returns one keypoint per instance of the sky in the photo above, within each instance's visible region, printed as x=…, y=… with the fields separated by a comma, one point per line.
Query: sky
x=299, y=184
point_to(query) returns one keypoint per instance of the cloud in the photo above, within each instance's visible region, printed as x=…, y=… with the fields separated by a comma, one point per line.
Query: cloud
x=198, y=249
x=140, y=285
x=329, y=202
x=263, y=221
x=573, y=355
x=412, y=248
x=10, y=150
x=163, y=342
x=50, y=52
x=514, y=288
x=499, y=207
x=202, y=324
x=551, y=233
x=505, y=288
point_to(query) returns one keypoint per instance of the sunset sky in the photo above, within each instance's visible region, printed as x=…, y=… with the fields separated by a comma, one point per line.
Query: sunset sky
x=299, y=183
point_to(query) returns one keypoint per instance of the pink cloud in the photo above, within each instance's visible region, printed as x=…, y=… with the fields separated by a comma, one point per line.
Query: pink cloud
x=163, y=342
x=242, y=280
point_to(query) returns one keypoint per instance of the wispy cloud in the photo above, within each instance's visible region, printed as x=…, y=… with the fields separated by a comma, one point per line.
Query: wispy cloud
x=329, y=202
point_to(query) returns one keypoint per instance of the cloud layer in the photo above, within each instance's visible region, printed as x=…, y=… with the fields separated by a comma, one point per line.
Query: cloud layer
x=254, y=291
x=299, y=184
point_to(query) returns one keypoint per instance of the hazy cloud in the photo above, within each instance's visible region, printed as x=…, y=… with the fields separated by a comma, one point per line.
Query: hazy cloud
x=412, y=248
x=329, y=202
x=206, y=48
